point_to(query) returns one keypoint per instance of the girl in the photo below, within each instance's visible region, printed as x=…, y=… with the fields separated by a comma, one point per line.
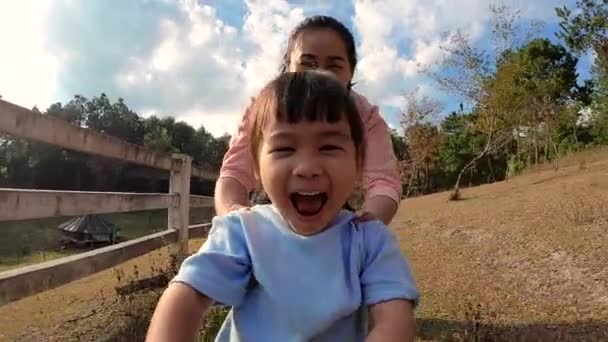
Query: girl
x=301, y=268
x=320, y=42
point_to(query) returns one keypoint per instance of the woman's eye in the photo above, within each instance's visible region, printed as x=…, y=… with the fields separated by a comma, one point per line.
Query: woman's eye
x=308, y=64
x=335, y=67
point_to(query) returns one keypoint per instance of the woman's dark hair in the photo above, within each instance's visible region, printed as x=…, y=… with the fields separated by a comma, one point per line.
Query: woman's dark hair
x=322, y=22
x=311, y=96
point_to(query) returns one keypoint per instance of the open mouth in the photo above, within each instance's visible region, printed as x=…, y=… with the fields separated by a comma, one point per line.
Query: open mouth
x=308, y=203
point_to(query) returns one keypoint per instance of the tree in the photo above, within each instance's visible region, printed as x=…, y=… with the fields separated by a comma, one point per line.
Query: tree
x=584, y=29
x=531, y=90
x=465, y=71
x=399, y=145
x=422, y=139
x=159, y=140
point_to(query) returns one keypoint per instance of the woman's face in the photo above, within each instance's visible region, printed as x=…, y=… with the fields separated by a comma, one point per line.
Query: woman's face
x=321, y=49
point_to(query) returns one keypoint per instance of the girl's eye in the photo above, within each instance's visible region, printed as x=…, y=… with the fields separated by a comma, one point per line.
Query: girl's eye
x=335, y=67
x=282, y=150
x=331, y=148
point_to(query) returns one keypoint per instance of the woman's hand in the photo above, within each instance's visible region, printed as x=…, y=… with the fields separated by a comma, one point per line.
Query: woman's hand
x=378, y=208
x=230, y=195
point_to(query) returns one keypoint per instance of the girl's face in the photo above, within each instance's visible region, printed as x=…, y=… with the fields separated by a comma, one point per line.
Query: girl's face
x=308, y=170
x=321, y=49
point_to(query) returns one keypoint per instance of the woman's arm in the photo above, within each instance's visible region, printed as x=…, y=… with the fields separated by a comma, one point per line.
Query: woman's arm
x=381, y=175
x=391, y=321
x=236, y=177
x=229, y=195
x=379, y=207
x=178, y=315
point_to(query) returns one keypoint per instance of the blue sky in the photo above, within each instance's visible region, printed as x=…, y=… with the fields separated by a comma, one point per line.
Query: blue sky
x=201, y=61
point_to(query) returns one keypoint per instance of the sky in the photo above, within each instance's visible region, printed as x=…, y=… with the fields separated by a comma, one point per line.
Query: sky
x=202, y=61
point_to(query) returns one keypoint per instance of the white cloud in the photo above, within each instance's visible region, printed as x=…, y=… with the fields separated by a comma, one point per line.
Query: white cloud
x=179, y=58
x=398, y=35
x=195, y=71
x=27, y=71
x=385, y=26
x=267, y=27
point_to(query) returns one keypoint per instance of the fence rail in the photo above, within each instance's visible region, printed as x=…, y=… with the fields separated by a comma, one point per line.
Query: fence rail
x=25, y=204
x=24, y=123
x=16, y=204
x=26, y=281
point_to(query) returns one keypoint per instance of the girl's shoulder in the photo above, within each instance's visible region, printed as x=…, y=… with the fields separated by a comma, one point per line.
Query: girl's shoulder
x=374, y=234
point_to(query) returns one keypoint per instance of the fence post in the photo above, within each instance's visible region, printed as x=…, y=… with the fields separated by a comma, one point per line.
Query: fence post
x=179, y=184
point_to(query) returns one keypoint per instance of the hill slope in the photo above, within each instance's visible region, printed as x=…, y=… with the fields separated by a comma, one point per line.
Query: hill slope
x=526, y=255
x=522, y=258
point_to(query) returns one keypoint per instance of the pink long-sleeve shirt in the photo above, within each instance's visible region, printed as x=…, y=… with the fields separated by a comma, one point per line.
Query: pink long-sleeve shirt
x=380, y=172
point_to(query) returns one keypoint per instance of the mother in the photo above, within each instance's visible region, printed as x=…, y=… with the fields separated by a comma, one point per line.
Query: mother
x=325, y=43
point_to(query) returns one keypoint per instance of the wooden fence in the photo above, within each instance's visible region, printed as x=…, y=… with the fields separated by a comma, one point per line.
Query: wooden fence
x=19, y=204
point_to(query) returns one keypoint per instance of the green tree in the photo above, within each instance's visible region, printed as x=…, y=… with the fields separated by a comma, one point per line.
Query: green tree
x=399, y=145
x=531, y=90
x=586, y=28
x=157, y=139
x=466, y=70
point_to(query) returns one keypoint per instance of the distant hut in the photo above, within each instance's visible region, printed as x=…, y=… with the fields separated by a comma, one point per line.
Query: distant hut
x=89, y=229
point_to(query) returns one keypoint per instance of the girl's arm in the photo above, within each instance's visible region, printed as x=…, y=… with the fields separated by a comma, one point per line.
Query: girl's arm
x=178, y=314
x=392, y=320
x=387, y=285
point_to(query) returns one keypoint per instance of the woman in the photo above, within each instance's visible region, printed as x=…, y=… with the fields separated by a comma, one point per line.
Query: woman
x=320, y=42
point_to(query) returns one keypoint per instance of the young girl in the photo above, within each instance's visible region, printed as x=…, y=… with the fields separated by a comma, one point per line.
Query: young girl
x=301, y=268
x=320, y=42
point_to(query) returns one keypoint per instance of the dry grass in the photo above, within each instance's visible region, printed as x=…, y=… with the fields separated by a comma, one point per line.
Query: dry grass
x=514, y=261
x=523, y=260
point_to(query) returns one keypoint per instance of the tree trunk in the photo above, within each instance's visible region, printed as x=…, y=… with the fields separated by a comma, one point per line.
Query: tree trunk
x=555, y=150
x=456, y=190
x=576, y=145
x=409, y=183
x=535, y=149
x=492, y=169
x=427, y=177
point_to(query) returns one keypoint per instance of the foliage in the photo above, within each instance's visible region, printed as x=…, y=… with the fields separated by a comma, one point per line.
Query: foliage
x=34, y=165
x=583, y=29
x=527, y=106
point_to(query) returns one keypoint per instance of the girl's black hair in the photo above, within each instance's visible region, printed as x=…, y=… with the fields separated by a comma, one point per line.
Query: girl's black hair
x=309, y=96
x=322, y=22
x=312, y=95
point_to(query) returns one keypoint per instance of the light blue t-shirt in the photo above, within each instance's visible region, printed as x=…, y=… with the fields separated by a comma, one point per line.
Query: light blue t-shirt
x=287, y=287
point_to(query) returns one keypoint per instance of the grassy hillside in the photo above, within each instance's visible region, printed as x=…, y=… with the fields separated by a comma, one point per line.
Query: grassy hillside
x=525, y=257
x=518, y=260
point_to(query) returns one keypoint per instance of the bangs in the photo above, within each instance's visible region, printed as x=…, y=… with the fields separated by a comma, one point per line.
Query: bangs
x=305, y=98
x=310, y=96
